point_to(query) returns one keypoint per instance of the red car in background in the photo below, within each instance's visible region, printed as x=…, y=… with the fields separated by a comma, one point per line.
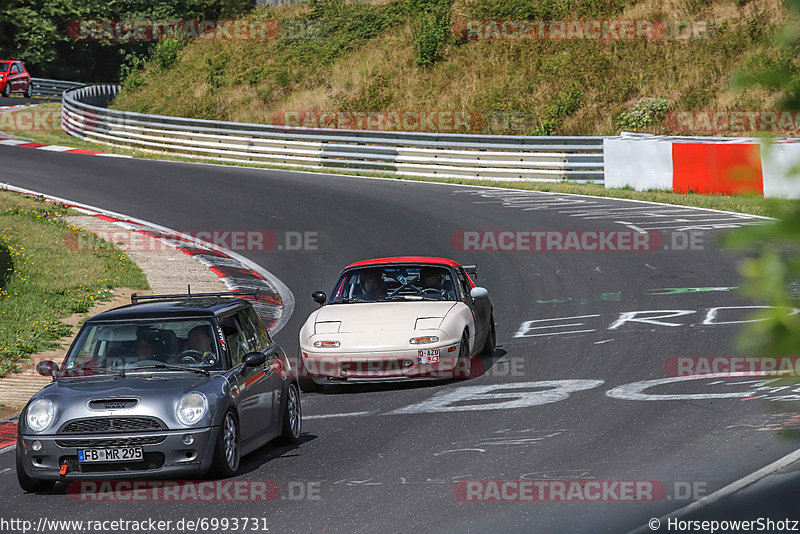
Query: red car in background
x=15, y=79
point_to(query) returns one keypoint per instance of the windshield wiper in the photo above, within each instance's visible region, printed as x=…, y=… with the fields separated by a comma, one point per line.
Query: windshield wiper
x=170, y=368
x=348, y=301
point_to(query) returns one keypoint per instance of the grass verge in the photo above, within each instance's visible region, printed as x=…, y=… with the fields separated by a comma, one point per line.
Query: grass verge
x=741, y=204
x=46, y=279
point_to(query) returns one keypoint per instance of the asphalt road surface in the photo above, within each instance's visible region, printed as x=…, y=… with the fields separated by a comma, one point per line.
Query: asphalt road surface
x=551, y=406
x=18, y=100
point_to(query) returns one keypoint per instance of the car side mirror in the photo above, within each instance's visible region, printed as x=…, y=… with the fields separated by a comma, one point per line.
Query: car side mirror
x=319, y=297
x=254, y=359
x=47, y=368
x=478, y=293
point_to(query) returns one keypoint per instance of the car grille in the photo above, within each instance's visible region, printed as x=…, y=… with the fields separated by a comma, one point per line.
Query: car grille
x=111, y=442
x=97, y=425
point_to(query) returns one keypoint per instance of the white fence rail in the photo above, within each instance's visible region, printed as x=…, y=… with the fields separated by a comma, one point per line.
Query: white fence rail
x=488, y=157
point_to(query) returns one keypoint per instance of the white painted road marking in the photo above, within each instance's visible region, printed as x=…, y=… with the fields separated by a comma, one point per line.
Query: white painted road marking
x=331, y=415
x=499, y=396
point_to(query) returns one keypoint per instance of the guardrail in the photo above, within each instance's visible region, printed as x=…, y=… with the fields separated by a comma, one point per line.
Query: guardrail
x=487, y=157
x=47, y=87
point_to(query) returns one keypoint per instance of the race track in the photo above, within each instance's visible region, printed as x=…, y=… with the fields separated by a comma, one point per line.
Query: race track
x=387, y=458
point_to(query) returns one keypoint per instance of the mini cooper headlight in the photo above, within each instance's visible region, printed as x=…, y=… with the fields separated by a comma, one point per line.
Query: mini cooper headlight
x=422, y=340
x=192, y=408
x=40, y=415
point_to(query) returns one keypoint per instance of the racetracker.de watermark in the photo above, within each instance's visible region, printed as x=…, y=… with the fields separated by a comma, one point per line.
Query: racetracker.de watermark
x=391, y=120
x=727, y=121
x=579, y=29
x=235, y=240
x=126, y=30
x=577, y=490
x=192, y=491
x=574, y=240
x=734, y=366
x=31, y=120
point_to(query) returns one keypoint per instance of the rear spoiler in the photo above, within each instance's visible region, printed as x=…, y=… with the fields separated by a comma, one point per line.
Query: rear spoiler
x=471, y=270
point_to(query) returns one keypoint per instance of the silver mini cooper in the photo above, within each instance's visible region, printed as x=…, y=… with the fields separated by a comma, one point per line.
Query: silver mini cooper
x=171, y=385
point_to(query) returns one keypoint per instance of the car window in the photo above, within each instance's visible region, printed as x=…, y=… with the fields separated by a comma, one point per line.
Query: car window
x=250, y=333
x=262, y=336
x=13, y=69
x=462, y=282
x=125, y=346
x=234, y=338
x=395, y=283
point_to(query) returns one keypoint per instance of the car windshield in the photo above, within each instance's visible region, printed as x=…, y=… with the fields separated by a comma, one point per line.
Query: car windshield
x=4, y=65
x=121, y=348
x=395, y=283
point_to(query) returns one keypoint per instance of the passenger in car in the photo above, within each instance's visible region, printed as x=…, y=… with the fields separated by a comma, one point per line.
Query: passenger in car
x=372, y=286
x=146, y=340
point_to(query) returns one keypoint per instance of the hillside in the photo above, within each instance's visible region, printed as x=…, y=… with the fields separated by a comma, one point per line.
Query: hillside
x=331, y=56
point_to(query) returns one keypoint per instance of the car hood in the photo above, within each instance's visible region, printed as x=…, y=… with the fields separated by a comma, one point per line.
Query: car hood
x=155, y=394
x=379, y=316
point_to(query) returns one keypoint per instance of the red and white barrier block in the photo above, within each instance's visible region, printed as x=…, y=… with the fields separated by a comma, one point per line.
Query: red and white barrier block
x=728, y=166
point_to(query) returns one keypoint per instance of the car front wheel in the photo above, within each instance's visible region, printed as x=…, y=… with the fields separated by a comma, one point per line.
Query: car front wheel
x=292, y=416
x=7, y=90
x=463, y=364
x=226, y=453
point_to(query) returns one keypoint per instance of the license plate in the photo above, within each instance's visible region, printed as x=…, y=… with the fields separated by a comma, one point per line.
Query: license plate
x=429, y=356
x=121, y=454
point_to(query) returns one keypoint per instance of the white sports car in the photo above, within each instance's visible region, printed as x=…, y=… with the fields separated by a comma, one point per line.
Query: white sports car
x=394, y=319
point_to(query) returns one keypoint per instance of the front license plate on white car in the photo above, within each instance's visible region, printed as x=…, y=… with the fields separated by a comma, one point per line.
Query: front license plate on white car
x=429, y=356
x=121, y=454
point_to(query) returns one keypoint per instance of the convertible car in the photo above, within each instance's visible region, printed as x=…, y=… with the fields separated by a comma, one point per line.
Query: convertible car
x=394, y=319
x=177, y=385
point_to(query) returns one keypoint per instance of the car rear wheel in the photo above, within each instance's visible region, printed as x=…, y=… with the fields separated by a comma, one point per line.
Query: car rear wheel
x=292, y=416
x=463, y=367
x=226, y=453
x=491, y=339
x=25, y=482
x=29, y=90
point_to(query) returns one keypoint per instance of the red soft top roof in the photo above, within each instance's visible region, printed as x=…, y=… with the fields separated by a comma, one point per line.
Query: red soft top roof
x=405, y=259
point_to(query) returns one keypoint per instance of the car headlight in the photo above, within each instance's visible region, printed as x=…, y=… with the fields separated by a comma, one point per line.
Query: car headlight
x=40, y=414
x=192, y=408
x=326, y=344
x=422, y=340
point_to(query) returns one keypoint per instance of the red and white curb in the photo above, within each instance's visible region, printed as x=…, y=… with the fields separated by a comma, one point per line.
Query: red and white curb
x=276, y=301
x=12, y=108
x=56, y=148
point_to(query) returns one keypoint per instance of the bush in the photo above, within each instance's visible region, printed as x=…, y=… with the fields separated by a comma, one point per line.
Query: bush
x=645, y=112
x=165, y=53
x=216, y=69
x=430, y=30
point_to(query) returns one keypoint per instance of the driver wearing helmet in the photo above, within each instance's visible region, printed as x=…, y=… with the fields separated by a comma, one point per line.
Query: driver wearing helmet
x=372, y=286
x=434, y=281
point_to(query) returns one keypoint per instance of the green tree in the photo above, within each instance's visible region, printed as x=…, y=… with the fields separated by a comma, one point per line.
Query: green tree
x=772, y=273
x=35, y=31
